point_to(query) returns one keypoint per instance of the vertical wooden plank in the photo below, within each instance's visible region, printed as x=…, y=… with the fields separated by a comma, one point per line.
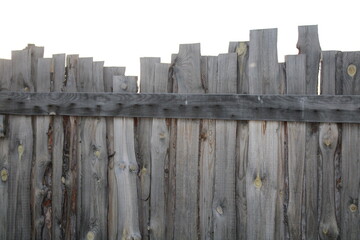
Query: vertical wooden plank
x=5, y=78
x=159, y=157
x=41, y=171
x=21, y=148
x=57, y=146
x=296, y=133
x=71, y=154
x=188, y=76
x=224, y=211
x=147, y=75
x=242, y=135
x=92, y=188
x=329, y=154
x=308, y=43
x=126, y=167
x=265, y=141
x=209, y=76
x=350, y=164
x=171, y=165
x=109, y=73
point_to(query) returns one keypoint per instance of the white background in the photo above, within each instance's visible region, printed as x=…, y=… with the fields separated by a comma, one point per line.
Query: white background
x=120, y=32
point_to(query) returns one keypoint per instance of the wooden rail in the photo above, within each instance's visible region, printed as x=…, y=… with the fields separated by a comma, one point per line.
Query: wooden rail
x=301, y=108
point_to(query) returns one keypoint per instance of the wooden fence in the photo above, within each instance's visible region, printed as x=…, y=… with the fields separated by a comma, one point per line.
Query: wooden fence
x=84, y=156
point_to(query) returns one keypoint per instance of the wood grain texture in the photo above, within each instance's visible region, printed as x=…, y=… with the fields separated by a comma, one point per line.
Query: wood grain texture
x=109, y=73
x=296, y=133
x=147, y=80
x=224, y=211
x=21, y=149
x=301, y=108
x=265, y=141
x=93, y=186
x=5, y=78
x=159, y=157
x=71, y=153
x=187, y=73
x=41, y=170
x=57, y=151
x=308, y=44
x=330, y=154
x=350, y=164
x=171, y=165
x=209, y=77
x=242, y=141
x=126, y=167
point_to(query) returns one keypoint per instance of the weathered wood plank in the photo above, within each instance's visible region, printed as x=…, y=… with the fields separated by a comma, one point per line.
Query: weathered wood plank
x=41, y=170
x=265, y=140
x=5, y=78
x=187, y=73
x=296, y=133
x=329, y=152
x=126, y=167
x=21, y=148
x=109, y=73
x=209, y=69
x=303, y=108
x=308, y=44
x=71, y=153
x=57, y=150
x=171, y=165
x=93, y=167
x=242, y=135
x=147, y=80
x=159, y=157
x=224, y=211
x=350, y=164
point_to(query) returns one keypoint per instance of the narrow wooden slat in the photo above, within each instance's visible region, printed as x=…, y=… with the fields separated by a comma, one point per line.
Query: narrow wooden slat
x=21, y=148
x=296, y=133
x=126, y=167
x=71, y=154
x=41, y=170
x=224, y=188
x=171, y=165
x=159, y=157
x=5, y=78
x=188, y=77
x=350, y=165
x=265, y=140
x=109, y=73
x=57, y=149
x=147, y=78
x=209, y=76
x=308, y=44
x=330, y=151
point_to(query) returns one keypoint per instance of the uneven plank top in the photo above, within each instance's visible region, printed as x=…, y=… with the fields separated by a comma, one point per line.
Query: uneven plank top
x=325, y=108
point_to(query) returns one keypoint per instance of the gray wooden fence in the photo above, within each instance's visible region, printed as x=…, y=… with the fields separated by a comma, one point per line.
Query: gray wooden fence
x=234, y=146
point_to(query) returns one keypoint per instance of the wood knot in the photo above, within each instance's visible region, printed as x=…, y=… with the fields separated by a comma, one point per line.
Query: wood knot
x=90, y=235
x=258, y=182
x=351, y=70
x=4, y=174
x=220, y=210
x=353, y=208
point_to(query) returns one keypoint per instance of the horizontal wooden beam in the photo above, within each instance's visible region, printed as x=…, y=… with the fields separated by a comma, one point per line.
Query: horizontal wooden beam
x=198, y=106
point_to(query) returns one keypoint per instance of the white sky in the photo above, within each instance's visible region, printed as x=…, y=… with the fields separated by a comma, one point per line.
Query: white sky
x=120, y=32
